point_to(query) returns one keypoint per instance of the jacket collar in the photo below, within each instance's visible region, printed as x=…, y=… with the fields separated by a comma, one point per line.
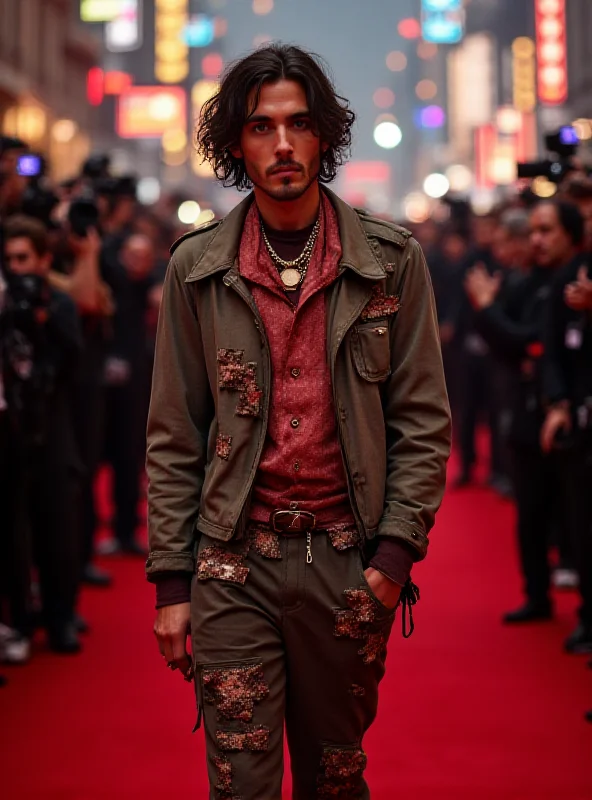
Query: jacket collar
x=223, y=247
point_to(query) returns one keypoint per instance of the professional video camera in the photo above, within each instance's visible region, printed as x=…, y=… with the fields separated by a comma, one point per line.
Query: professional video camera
x=563, y=144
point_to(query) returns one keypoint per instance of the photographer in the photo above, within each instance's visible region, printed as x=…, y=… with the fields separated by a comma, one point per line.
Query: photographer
x=513, y=323
x=568, y=425
x=40, y=342
x=83, y=279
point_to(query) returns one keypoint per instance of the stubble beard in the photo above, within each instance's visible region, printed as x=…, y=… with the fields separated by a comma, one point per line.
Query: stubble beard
x=288, y=192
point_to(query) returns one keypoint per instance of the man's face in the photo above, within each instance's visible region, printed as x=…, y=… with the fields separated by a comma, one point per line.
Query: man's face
x=23, y=259
x=137, y=256
x=281, y=152
x=551, y=244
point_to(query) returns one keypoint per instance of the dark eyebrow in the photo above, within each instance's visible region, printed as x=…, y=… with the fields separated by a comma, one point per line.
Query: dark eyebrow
x=263, y=118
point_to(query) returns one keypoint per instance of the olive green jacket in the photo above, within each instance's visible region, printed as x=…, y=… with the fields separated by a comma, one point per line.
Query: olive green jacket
x=388, y=383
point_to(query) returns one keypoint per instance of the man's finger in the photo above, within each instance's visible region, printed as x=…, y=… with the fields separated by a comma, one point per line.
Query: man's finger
x=583, y=274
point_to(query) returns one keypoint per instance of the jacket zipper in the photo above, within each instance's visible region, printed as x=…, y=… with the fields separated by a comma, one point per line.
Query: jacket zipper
x=231, y=281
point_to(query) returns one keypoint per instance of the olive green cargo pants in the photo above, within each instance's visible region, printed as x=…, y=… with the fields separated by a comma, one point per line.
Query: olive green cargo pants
x=280, y=639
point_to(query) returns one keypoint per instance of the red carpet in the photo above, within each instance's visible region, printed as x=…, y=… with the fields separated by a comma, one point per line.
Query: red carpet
x=470, y=710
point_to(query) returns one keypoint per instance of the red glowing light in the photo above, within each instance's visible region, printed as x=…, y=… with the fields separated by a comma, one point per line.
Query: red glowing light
x=117, y=82
x=212, y=65
x=409, y=28
x=95, y=83
x=551, y=52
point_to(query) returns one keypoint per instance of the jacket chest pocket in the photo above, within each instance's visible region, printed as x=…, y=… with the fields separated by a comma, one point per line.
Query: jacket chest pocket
x=371, y=350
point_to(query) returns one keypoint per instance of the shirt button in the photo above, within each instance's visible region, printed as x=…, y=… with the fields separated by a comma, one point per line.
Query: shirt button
x=295, y=423
x=296, y=466
x=294, y=372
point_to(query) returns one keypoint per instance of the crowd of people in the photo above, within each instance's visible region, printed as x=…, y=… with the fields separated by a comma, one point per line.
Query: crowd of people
x=82, y=270
x=514, y=298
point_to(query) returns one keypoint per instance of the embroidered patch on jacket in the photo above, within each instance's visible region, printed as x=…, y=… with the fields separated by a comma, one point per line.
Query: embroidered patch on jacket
x=253, y=740
x=389, y=268
x=343, y=537
x=224, y=785
x=223, y=446
x=341, y=773
x=380, y=304
x=235, y=690
x=216, y=563
x=264, y=541
x=355, y=622
x=236, y=375
x=357, y=690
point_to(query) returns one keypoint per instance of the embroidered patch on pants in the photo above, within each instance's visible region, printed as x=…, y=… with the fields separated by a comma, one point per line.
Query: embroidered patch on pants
x=380, y=305
x=355, y=622
x=264, y=541
x=223, y=446
x=224, y=785
x=343, y=537
x=235, y=690
x=216, y=563
x=341, y=773
x=236, y=375
x=253, y=740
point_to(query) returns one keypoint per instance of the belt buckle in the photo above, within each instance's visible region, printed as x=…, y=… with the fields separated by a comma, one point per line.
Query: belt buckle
x=295, y=521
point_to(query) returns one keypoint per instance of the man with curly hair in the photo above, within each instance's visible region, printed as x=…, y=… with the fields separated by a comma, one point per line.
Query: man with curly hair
x=297, y=441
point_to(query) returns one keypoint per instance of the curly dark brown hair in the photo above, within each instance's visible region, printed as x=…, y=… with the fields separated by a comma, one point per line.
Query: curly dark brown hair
x=223, y=116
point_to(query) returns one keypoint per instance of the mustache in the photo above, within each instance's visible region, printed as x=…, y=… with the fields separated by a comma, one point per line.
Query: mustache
x=282, y=165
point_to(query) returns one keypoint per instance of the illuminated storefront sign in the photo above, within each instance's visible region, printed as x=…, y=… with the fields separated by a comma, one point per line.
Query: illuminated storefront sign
x=523, y=74
x=551, y=51
x=171, y=62
x=100, y=10
x=442, y=21
x=149, y=111
x=124, y=33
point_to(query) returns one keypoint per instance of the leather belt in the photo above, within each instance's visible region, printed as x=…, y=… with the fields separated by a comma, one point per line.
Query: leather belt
x=292, y=522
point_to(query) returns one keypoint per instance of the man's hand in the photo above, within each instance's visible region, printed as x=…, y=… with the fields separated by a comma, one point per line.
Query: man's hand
x=481, y=287
x=578, y=295
x=385, y=590
x=557, y=419
x=171, y=628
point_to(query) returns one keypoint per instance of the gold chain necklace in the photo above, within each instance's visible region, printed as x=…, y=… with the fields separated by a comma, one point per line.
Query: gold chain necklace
x=293, y=272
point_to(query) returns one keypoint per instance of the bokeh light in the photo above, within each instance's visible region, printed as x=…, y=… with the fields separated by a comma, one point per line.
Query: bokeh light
x=189, y=212
x=436, y=185
x=387, y=134
x=383, y=97
x=459, y=177
x=262, y=7
x=430, y=117
x=427, y=50
x=212, y=65
x=396, y=61
x=416, y=207
x=426, y=90
x=148, y=191
x=543, y=187
x=174, y=140
x=409, y=28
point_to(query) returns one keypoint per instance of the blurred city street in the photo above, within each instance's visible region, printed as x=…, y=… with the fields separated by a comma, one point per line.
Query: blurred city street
x=284, y=284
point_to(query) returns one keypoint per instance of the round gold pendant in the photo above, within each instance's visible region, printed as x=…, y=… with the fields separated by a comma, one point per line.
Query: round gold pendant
x=290, y=278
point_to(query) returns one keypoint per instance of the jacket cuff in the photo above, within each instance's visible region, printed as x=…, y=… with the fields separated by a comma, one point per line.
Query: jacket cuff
x=394, y=559
x=164, y=561
x=172, y=588
x=405, y=532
